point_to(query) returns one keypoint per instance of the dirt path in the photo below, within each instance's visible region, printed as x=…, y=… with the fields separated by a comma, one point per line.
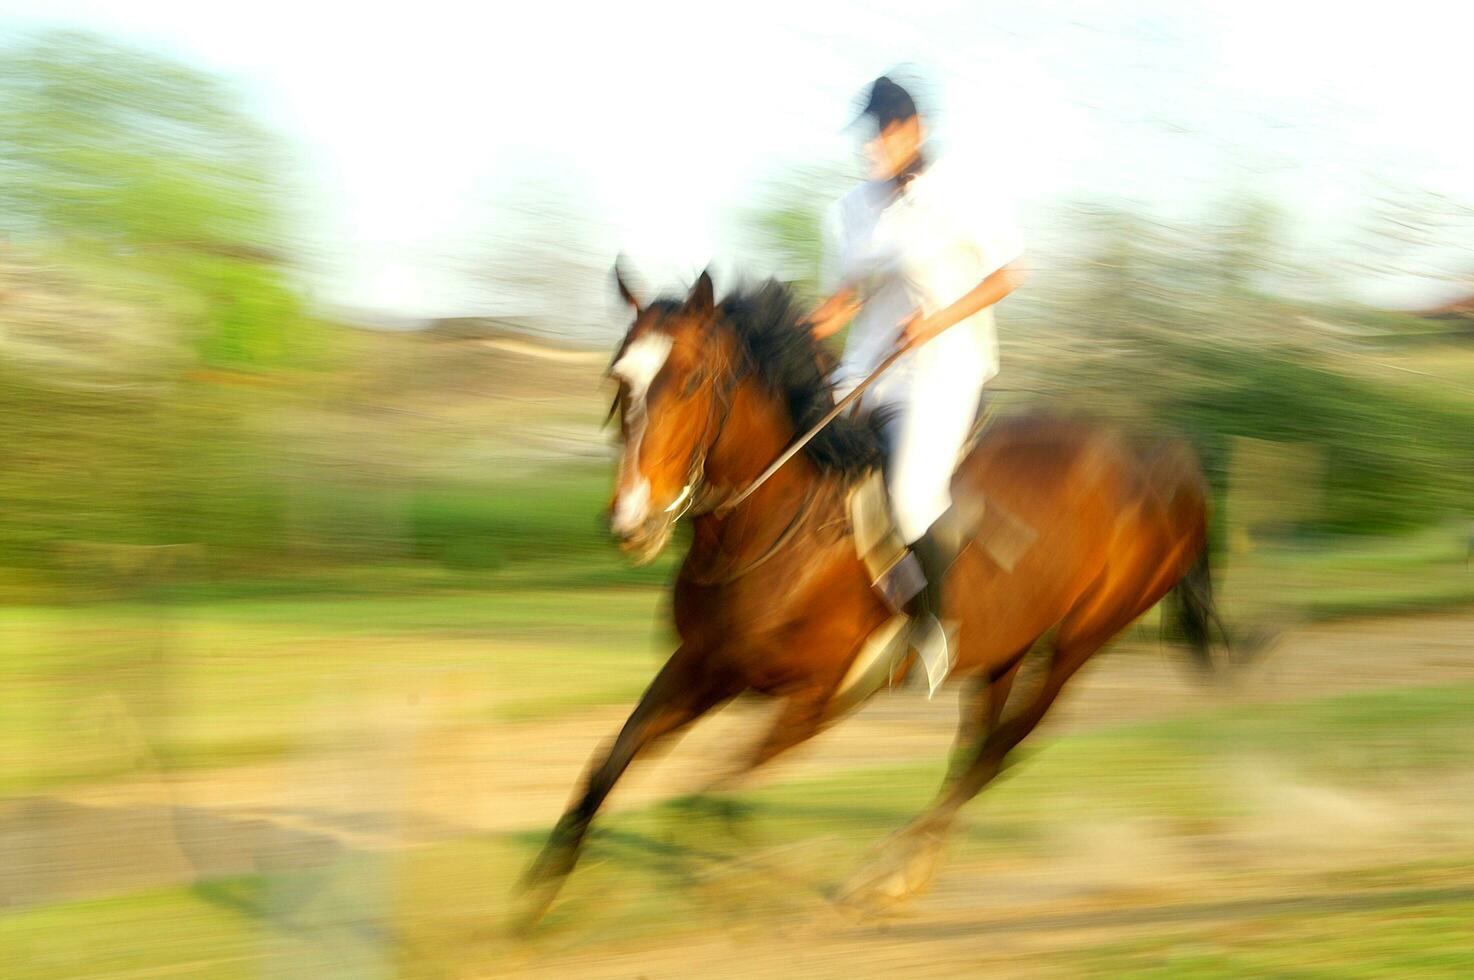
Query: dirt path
x=1308, y=853
x=405, y=781
x=537, y=764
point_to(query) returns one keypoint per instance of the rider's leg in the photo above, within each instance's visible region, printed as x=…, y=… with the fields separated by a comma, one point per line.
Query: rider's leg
x=935, y=558
x=923, y=443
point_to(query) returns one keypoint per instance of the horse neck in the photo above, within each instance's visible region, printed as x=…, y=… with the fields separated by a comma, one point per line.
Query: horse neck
x=758, y=429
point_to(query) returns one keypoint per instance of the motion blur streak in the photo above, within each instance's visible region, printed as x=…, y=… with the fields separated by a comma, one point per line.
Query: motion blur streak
x=312, y=615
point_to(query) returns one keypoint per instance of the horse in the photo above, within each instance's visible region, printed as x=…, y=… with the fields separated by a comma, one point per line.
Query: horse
x=772, y=598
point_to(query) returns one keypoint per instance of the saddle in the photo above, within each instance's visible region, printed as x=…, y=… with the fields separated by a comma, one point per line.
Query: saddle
x=896, y=575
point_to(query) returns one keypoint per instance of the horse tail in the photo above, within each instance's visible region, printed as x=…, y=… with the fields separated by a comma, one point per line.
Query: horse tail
x=1193, y=611
x=1191, y=616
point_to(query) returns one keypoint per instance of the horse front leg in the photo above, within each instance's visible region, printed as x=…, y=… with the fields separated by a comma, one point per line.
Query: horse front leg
x=679, y=695
x=800, y=717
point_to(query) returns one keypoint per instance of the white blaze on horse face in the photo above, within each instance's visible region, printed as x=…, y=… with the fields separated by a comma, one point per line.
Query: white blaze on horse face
x=641, y=362
x=637, y=368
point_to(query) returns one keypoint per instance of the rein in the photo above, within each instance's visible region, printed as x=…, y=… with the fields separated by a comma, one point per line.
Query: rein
x=690, y=493
x=785, y=537
x=731, y=503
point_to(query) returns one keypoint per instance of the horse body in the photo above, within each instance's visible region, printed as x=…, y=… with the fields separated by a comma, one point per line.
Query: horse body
x=772, y=597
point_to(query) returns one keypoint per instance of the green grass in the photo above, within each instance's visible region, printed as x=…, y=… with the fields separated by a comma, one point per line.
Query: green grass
x=169, y=932
x=226, y=673
x=1182, y=779
x=225, y=682
x=1336, y=578
x=1408, y=932
x=329, y=923
x=652, y=876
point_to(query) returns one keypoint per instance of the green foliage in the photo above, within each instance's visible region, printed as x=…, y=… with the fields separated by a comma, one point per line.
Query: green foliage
x=544, y=528
x=155, y=168
x=145, y=205
x=119, y=144
x=1394, y=460
x=484, y=527
x=787, y=224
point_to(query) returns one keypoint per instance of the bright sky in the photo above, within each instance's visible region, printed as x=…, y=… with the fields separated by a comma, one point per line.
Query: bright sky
x=663, y=118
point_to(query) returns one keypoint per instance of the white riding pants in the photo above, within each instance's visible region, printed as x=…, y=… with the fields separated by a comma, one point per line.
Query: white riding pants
x=932, y=414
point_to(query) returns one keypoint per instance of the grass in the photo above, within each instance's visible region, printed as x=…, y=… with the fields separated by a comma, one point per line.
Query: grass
x=226, y=682
x=1415, y=939
x=223, y=674
x=164, y=933
x=652, y=876
x=1331, y=578
x=237, y=673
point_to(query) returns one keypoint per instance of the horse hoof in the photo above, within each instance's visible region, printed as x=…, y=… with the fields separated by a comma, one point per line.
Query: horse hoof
x=532, y=905
x=539, y=887
x=904, y=870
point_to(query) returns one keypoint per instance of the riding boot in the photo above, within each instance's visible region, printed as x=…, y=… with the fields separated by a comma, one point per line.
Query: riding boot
x=929, y=636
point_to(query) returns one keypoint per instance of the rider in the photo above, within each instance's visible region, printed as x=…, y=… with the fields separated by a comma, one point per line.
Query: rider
x=917, y=255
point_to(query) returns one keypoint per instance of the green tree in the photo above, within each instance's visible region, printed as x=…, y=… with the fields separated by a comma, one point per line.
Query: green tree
x=787, y=224
x=156, y=168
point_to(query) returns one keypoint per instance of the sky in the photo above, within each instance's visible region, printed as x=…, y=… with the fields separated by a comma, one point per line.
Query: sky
x=418, y=128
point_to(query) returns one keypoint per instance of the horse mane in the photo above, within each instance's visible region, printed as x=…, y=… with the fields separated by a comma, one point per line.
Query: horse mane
x=787, y=360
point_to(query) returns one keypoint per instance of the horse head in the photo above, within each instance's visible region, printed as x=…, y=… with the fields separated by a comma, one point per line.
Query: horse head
x=668, y=405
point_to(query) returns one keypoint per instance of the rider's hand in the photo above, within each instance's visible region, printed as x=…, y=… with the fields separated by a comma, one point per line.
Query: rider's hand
x=915, y=331
x=832, y=315
x=822, y=329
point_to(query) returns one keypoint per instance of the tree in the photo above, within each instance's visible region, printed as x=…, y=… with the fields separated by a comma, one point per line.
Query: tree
x=1246, y=245
x=786, y=225
x=155, y=168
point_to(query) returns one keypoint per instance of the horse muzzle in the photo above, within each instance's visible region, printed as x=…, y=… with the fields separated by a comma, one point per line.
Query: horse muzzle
x=645, y=544
x=641, y=529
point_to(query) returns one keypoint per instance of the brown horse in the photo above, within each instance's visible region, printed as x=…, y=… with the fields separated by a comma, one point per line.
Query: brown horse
x=772, y=598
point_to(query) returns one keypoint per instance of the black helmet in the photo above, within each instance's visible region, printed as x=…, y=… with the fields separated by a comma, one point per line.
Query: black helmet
x=887, y=103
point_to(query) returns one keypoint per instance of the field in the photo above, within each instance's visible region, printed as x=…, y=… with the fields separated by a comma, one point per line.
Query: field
x=338, y=769
x=311, y=621
x=318, y=785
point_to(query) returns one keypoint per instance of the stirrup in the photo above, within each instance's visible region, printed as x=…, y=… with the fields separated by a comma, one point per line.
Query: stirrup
x=935, y=644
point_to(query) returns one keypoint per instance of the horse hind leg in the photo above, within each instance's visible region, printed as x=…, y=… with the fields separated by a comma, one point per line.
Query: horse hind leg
x=980, y=710
x=677, y=697
x=988, y=756
x=909, y=858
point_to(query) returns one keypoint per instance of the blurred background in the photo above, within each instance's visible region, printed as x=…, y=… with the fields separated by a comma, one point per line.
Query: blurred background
x=309, y=619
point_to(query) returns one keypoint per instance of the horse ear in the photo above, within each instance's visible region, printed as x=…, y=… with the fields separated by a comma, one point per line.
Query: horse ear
x=702, y=298
x=625, y=292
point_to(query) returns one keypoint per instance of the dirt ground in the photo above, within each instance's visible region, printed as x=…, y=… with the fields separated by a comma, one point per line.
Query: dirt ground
x=405, y=782
x=1109, y=881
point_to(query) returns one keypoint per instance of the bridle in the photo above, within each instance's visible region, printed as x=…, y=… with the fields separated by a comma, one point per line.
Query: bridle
x=700, y=500
x=697, y=498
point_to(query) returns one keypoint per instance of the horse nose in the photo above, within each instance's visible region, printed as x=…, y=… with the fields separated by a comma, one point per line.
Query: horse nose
x=618, y=531
x=630, y=511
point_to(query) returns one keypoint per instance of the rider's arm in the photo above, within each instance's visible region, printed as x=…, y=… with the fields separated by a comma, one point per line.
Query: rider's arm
x=836, y=311
x=982, y=211
x=992, y=289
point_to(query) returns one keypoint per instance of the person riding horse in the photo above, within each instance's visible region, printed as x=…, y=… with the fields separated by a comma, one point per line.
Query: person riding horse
x=916, y=258
x=774, y=596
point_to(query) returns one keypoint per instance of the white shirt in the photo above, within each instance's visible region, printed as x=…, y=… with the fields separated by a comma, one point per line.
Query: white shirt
x=925, y=248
